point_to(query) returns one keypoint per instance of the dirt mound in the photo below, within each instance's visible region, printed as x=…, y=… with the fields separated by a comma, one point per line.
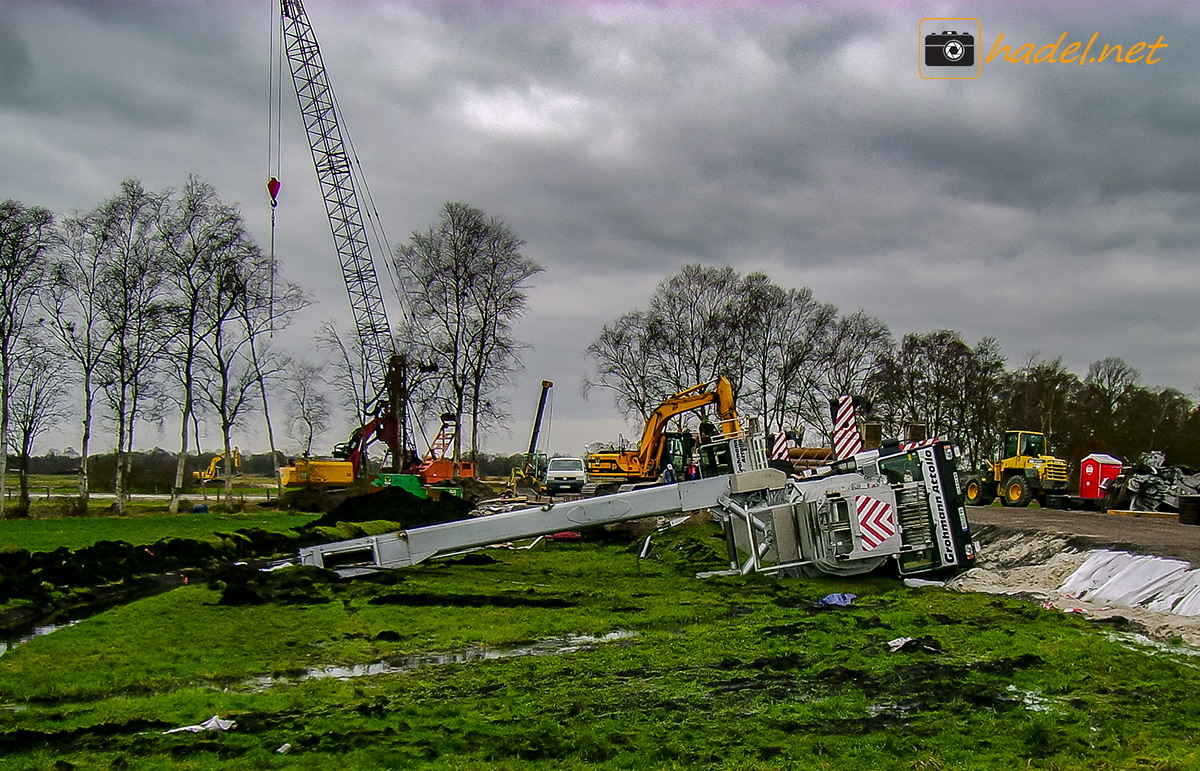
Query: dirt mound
x=42, y=584
x=394, y=504
x=476, y=491
x=310, y=499
x=297, y=585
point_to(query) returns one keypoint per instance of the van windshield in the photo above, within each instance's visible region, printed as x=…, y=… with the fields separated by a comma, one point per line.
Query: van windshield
x=566, y=464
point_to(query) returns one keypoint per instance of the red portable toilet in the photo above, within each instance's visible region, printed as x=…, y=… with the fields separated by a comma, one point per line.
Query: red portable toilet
x=1094, y=470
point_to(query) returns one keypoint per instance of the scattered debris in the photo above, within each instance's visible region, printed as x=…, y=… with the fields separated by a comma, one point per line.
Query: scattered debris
x=837, y=600
x=925, y=644
x=1151, y=485
x=214, y=723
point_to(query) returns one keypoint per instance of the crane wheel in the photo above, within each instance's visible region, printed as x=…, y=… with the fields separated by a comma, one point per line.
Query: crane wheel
x=1015, y=492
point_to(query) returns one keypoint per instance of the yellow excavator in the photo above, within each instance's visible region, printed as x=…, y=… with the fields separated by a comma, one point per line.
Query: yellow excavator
x=660, y=448
x=213, y=472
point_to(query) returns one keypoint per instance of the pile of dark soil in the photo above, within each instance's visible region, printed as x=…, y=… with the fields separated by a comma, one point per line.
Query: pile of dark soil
x=393, y=504
x=42, y=585
x=298, y=585
x=476, y=491
x=309, y=499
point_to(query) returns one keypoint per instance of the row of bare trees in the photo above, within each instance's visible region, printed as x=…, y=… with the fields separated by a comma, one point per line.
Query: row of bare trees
x=152, y=304
x=462, y=284
x=158, y=304
x=787, y=354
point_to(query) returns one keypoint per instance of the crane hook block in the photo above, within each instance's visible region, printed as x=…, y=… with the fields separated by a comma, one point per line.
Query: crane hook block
x=273, y=186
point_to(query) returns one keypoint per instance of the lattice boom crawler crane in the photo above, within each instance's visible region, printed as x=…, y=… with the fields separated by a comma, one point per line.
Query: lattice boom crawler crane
x=849, y=518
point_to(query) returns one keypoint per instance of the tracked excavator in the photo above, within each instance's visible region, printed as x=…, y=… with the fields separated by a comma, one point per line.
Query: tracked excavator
x=659, y=449
x=860, y=513
x=212, y=472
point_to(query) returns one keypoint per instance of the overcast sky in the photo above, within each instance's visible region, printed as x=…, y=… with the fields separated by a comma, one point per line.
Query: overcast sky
x=1052, y=206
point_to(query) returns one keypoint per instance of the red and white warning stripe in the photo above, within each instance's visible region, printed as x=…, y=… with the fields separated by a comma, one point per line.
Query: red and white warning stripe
x=847, y=440
x=779, y=446
x=917, y=443
x=876, y=521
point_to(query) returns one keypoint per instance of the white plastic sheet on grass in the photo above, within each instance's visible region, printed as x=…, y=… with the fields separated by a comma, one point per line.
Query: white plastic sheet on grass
x=1121, y=578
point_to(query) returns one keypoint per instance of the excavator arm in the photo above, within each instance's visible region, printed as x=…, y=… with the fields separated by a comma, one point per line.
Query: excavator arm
x=650, y=447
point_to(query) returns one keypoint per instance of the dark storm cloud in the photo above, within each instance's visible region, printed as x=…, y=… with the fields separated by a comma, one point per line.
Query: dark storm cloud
x=1039, y=203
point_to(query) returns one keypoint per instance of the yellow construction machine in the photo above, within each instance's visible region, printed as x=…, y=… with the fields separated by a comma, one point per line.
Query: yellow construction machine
x=1023, y=473
x=659, y=448
x=527, y=480
x=212, y=473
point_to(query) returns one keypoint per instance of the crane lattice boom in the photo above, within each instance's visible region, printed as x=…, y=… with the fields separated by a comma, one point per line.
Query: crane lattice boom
x=319, y=110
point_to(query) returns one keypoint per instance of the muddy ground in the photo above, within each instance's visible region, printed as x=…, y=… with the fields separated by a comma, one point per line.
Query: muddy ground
x=1156, y=536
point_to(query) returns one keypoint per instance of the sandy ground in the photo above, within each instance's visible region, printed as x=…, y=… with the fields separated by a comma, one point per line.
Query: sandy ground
x=1031, y=553
x=1158, y=536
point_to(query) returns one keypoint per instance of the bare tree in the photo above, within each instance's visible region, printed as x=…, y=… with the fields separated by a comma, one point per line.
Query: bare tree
x=856, y=346
x=26, y=234
x=197, y=233
x=785, y=334
x=1113, y=380
x=775, y=345
x=693, y=325
x=135, y=306
x=308, y=408
x=348, y=378
x=465, y=282
x=72, y=302
x=938, y=379
x=1041, y=396
x=39, y=402
x=623, y=357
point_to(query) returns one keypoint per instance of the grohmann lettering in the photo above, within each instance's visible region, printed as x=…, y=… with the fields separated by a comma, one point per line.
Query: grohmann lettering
x=1077, y=52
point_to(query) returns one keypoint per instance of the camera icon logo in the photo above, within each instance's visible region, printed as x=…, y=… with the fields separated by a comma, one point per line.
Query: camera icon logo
x=947, y=48
x=950, y=49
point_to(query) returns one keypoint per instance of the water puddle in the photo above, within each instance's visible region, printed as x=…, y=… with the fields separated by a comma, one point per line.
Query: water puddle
x=8, y=644
x=1188, y=655
x=549, y=646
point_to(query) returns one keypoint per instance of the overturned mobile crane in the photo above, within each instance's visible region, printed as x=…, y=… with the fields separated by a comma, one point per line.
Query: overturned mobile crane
x=847, y=519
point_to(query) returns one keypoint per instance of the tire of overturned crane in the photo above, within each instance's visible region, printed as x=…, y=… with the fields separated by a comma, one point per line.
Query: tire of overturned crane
x=1015, y=492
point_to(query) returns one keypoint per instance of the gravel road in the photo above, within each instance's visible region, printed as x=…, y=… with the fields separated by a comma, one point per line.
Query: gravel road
x=1158, y=536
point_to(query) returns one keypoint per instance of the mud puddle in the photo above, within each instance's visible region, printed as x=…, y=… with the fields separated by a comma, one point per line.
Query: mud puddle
x=549, y=646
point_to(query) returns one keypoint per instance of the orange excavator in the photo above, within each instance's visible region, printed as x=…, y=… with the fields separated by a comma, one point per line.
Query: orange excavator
x=660, y=449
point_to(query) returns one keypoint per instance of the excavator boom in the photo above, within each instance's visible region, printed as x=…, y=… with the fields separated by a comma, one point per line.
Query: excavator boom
x=645, y=463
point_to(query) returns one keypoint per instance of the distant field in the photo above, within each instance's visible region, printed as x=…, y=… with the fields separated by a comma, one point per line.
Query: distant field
x=57, y=485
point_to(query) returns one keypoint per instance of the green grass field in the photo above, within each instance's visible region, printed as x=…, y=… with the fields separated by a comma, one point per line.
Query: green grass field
x=726, y=673
x=146, y=523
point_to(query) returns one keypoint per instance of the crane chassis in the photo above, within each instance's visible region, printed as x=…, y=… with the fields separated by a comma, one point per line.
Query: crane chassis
x=852, y=517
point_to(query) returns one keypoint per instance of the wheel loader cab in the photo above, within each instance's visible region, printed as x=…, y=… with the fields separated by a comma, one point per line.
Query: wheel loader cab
x=1024, y=443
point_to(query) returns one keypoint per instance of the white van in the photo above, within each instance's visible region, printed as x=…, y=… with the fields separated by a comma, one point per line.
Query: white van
x=565, y=475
